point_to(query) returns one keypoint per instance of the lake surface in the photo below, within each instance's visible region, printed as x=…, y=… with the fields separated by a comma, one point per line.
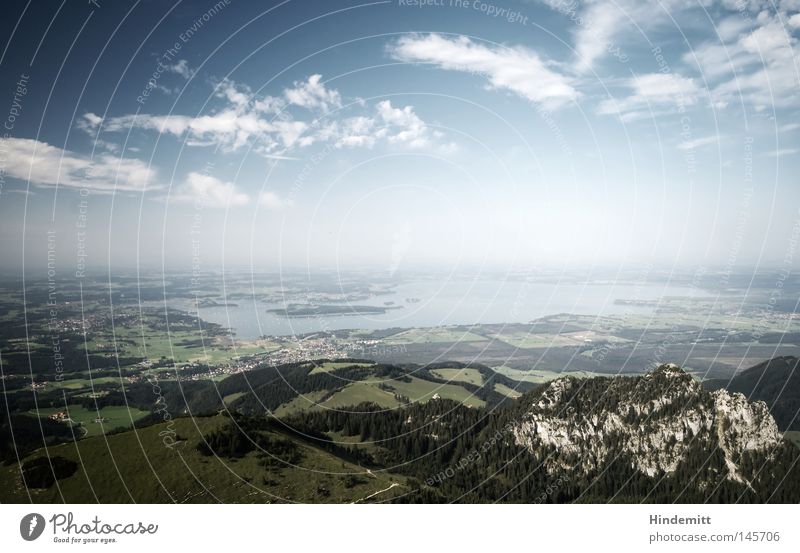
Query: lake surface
x=445, y=302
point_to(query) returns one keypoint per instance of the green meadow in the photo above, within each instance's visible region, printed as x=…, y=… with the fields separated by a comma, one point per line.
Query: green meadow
x=139, y=466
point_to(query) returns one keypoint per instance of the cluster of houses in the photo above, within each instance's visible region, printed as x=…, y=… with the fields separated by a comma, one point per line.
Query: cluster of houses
x=63, y=416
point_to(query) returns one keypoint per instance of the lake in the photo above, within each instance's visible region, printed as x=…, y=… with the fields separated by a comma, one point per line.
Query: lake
x=428, y=303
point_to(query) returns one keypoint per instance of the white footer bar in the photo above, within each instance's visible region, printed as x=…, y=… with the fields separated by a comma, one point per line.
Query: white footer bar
x=399, y=528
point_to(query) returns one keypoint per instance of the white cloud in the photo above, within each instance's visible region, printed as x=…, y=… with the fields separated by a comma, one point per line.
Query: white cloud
x=756, y=6
x=47, y=165
x=731, y=27
x=757, y=67
x=653, y=92
x=272, y=201
x=407, y=126
x=273, y=132
x=603, y=27
x=312, y=94
x=181, y=67
x=770, y=39
x=243, y=120
x=665, y=87
x=398, y=126
x=510, y=68
x=92, y=120
x=601, y=21
x=357, y=132
x=230, y=128
x=716, y=60
x=209, y=190
x=698, y=142
x=784, y=152
x=238, y=95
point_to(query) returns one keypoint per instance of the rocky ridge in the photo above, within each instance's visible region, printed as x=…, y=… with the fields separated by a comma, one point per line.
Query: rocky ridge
x=654, y=422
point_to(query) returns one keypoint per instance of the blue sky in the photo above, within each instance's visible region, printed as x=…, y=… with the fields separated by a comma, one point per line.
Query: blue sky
x=401, y=134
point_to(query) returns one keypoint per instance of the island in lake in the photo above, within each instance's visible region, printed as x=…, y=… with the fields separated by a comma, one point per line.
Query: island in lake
x=295, y=310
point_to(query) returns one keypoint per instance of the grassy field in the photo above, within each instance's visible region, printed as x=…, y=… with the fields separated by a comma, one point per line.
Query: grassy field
x=421, y=391
x=83, y=383
x=333, y=365
x=470, y=376
x=358, y=392
x=538, y=376
x=302, y=402
x=506, y=391
x=564, y=339
x=434, y=335
x=381, y=392
x=526, y=340
x=230, y=398
x=137, y=466
x=180, y=345
x=793, y=436
x=113, y=417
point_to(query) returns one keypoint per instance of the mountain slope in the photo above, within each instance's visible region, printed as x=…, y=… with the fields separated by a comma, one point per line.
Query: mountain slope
x=775, y=382
x=657, y=422
x=661, y=437
x=168, y=462
x=656, y=438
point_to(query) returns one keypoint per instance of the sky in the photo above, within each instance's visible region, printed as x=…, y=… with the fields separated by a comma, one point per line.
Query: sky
x=201, y=135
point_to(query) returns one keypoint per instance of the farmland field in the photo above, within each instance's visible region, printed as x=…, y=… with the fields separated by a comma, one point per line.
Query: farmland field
x=112, y=417
x=470, y=376
x=434, y=335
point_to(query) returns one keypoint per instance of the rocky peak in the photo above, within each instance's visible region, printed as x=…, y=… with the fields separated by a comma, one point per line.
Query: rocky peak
x=668, y=370
x=654, y=422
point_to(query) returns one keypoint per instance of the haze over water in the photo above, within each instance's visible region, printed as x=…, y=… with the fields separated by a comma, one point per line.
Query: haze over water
x=454, y=302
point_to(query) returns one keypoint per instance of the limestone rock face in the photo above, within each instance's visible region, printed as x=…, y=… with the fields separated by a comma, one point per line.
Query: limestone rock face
x=652, y=422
